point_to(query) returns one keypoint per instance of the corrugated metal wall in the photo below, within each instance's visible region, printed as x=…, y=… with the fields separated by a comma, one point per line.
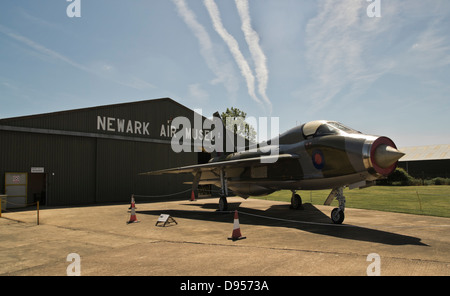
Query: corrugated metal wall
x=84, y=168
x=427, y=169
x=154, y=112
x=120, y=162
x=68, y=161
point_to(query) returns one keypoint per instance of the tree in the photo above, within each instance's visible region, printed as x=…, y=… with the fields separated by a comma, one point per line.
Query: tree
x=234, y=120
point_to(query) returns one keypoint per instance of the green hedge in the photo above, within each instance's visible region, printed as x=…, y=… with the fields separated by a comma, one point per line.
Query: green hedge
x=401, y=178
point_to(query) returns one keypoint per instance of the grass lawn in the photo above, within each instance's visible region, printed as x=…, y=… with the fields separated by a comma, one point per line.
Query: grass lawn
x=420, y=200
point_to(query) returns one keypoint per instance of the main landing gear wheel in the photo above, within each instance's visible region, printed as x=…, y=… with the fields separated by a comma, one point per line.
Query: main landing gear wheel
x=223, y=204
x=296, y=202
x=337, y=216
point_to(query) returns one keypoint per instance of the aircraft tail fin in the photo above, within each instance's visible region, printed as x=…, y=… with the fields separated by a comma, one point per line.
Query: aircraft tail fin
x=229, y=142
x=220, y=151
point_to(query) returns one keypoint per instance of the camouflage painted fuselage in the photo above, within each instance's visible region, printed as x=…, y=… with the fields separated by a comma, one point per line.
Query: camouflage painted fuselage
x=326, y=157
x=316, y=155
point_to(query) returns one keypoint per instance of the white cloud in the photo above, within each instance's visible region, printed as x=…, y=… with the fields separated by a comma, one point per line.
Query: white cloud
x=197, y=93
x=338, y=43
x=432, y=48
x=110, y=72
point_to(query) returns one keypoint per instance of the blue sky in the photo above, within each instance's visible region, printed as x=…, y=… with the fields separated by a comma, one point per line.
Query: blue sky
x=298, y=60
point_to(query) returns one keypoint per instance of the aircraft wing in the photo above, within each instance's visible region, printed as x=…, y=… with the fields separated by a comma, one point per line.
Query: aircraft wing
x=245, y=162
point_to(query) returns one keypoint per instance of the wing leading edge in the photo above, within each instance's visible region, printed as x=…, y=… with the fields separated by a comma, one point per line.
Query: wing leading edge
x=245, y=162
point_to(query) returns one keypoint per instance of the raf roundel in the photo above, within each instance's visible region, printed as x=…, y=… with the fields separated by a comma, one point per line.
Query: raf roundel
x=318, y=159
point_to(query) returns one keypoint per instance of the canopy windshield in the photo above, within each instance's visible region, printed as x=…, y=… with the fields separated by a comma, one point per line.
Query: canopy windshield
x=322, y=128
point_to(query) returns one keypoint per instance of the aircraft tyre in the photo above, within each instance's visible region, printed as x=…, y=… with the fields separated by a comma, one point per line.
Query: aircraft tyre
x=296, y=202
x=223, y=204
x=337, y=216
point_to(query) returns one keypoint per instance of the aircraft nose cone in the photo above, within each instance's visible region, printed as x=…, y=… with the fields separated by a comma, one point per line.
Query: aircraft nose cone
x=385, y=156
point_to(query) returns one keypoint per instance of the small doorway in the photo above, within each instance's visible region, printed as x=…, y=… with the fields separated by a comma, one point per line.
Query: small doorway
x=16, y=185
x=37, y=188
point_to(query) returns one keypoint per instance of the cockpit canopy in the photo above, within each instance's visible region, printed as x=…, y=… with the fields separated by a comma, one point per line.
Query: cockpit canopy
x=322, y=127
x=314, y=129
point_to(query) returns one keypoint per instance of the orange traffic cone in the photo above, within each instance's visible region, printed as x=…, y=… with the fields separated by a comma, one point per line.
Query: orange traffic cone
x=193, y=196
x=236, y=235
x=133, y=218
x=133, y=204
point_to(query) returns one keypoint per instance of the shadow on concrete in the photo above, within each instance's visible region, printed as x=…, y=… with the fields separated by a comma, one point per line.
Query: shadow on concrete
x=309, y=219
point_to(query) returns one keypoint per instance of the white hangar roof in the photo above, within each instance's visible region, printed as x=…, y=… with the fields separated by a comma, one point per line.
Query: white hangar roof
x=434, y=152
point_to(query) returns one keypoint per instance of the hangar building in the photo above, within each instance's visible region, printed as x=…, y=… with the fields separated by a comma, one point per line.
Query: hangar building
x=426, y=162
x=93, y=155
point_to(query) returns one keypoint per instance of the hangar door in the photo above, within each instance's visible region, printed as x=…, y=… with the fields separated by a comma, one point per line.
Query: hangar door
x=16, y=187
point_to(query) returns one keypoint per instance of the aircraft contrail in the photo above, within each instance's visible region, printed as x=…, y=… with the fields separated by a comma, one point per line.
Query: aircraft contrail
x=259, y=58
x=233, y=45
x=206, y=46
x=132, y=82
x=41, y=49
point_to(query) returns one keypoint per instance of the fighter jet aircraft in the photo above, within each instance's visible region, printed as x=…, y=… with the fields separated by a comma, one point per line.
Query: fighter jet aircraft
x=316, y=155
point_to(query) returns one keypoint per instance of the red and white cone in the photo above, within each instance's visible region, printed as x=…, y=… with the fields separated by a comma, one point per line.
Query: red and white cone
x=236, y=235
x=133, y=218
x=193, y=196
x=133, y=204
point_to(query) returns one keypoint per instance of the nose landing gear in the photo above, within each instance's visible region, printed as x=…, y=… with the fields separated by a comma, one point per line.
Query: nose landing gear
x=223, y=203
